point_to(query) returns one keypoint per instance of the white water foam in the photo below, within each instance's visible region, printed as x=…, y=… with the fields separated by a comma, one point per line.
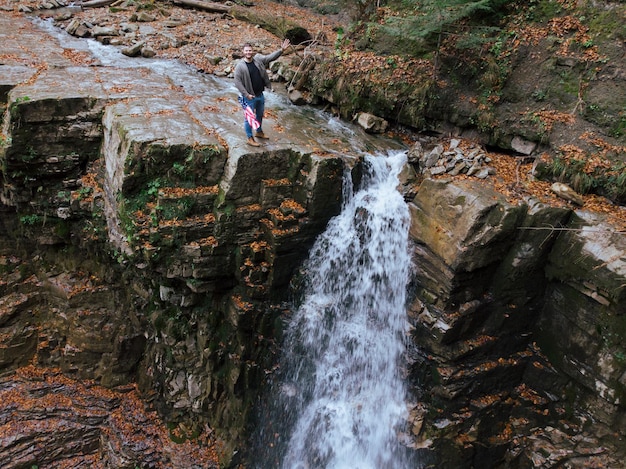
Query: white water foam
x=346, y=340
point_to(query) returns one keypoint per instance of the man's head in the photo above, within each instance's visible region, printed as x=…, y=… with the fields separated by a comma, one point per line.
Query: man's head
x=248, y=51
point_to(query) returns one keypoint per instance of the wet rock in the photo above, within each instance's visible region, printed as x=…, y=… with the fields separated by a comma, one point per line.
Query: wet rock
x=452, y=217
x=522, y=268
x=414, y=154
x=550, y=447
x=408, y=179
x=97, y=31
x=580, y=298
x=66, y=423
x=534, y=287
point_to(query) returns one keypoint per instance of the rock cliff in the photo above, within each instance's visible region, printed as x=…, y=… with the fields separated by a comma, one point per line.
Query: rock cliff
x=516, y=307
x=143, y=241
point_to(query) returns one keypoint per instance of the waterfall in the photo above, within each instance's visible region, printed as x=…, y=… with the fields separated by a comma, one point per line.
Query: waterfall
x=341, y=393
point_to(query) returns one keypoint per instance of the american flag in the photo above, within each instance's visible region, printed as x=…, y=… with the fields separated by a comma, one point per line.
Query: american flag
x=249, y=114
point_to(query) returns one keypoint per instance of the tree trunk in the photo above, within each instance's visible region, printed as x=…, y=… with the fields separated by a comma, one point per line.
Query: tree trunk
x=201, y=5
x=96, y=3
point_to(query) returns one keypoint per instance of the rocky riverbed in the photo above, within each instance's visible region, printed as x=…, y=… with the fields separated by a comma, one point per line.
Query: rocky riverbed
x=210, y=41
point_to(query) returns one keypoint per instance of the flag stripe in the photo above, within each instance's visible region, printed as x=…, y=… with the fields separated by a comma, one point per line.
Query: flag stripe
x=249, y=114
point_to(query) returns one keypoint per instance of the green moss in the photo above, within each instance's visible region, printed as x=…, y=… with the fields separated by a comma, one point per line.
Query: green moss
x=31, y=219
x=605, y=25
x=618, y=130
x=30, y=155
x=124, y=211
x=205, y=153
x=615, y=182
x=64, y=196
x=148, y=5
x=328, y=8
x=228, y=210
x=62, y=229
x=544, y=10
x=569, y=81
x=176, y=209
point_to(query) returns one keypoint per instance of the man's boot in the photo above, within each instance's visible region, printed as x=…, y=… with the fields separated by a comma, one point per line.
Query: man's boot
x=252, y=142
x=260, y=134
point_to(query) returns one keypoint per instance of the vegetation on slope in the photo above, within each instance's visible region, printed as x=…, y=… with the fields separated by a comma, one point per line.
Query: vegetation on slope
x=549, y=71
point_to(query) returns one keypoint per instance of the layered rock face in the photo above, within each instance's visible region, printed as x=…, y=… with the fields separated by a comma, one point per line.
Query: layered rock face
x=143, y=241
x=517, y=307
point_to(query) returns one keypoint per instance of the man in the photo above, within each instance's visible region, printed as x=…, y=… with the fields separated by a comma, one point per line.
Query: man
x=251, y=79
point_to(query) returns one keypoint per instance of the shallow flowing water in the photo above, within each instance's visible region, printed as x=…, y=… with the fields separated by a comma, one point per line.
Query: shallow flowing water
x=302, y=128
x=342, y=393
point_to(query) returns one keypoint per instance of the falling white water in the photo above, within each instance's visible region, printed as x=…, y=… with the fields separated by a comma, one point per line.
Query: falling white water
x=346, y=340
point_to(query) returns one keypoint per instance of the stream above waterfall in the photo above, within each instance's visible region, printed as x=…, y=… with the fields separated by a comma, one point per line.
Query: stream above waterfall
x=212, y=102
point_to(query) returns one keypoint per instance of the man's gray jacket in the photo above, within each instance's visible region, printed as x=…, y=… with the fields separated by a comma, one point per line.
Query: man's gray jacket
x=243, y=82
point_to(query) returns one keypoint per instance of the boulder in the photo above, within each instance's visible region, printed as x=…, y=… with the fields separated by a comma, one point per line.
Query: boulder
x=144, y=17
x=147, y=52
x=98, y=31
x=523, y=146
x=133, y=50
x=371, y=123
x=566, y=192
x=415, y=153
x=297, y=97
